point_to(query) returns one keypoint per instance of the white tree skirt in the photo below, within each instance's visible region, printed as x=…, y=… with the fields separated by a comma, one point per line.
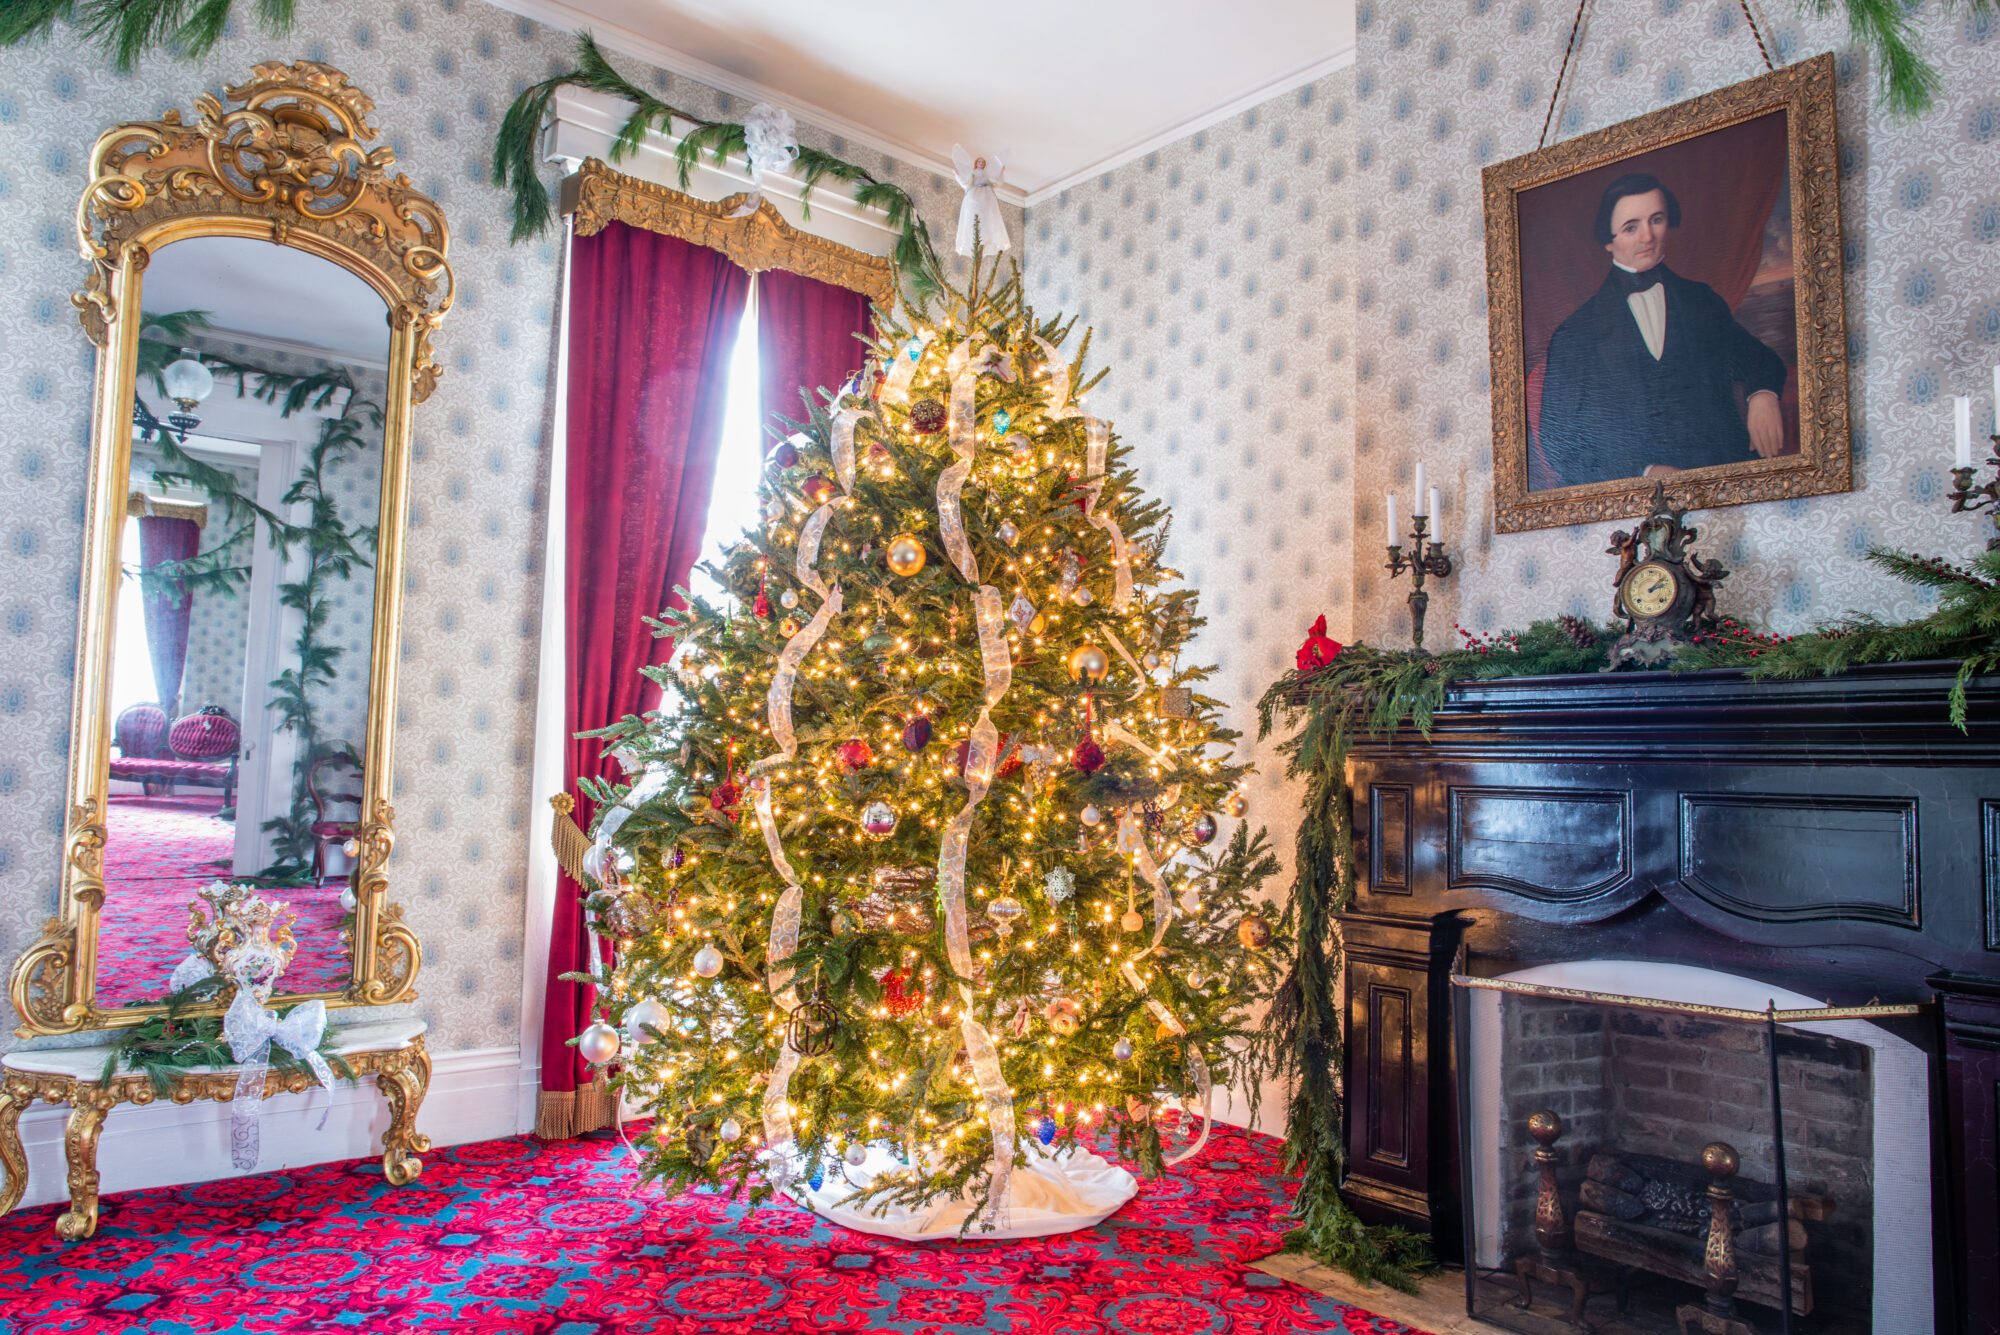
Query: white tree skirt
x=1046, y=1193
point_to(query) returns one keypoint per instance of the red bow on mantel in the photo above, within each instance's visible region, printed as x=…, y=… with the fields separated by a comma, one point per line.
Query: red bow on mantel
x=1318, y=651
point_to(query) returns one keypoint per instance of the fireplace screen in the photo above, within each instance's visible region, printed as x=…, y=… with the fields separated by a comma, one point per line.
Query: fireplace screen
x=1642, y=1166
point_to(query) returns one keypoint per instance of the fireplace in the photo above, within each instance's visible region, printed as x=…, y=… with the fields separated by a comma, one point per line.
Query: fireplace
x=1687, y=842
x=1641, y=1083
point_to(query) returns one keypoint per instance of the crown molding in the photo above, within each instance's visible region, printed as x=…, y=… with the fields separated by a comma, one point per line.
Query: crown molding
x=1278, y=87
x=616, y=37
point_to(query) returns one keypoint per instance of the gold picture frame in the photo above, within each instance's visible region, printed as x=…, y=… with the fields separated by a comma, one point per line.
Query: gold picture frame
x=1530, y=491
x=284, y=159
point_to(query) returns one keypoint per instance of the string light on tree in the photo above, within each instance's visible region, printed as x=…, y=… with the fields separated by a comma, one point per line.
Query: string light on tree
x=904, y=944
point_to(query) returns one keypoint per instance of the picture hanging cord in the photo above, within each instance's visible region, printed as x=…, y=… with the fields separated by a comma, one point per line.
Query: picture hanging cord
x=1569, y=50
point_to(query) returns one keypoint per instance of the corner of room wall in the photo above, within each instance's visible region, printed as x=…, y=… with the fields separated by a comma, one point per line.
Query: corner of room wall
x=1447, y=87
x=1217, y=277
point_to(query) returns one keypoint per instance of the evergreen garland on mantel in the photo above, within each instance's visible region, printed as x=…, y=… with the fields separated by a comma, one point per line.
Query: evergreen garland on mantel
x=1374, y=692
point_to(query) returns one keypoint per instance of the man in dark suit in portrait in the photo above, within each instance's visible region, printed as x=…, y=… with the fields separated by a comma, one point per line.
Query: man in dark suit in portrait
x=1643, y=378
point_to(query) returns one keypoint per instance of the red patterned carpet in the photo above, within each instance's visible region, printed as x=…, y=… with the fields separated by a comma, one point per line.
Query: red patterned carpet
x=517, y=1235
x=157, y=853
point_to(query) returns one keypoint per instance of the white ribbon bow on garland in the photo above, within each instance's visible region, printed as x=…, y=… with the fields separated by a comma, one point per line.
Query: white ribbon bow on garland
x=250, y=1029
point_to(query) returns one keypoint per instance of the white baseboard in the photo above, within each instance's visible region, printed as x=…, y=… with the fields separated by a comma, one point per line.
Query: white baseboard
x=476, y=1094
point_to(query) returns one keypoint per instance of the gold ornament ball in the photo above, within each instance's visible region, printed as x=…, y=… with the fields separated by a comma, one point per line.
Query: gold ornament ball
x=906, y=554
x=1253, y=932
x=1063, y=1024
x=1237, y=805
x=788, y=627
x=1133, y=921
x=1088, y=664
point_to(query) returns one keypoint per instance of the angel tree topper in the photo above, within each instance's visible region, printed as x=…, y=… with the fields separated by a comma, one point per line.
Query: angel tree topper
x=981, y=205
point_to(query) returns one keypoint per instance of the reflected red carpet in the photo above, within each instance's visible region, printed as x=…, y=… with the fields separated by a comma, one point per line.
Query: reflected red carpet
x=159, y=851
x=559, y=1239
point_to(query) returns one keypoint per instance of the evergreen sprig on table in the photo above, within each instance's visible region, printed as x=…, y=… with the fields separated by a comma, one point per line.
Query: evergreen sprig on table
x=189, y=1034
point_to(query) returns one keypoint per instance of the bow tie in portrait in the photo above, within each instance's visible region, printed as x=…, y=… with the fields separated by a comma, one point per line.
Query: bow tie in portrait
x=1629, y=282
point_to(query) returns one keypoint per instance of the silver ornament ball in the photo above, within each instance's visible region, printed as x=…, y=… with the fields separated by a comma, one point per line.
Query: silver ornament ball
x=645, y=1014
x=730, y=1130
x=857, y=1154
x=1091, y=816
x=598, y=1044
x=708, y=961
x=789, y=598
x=1122, y=1049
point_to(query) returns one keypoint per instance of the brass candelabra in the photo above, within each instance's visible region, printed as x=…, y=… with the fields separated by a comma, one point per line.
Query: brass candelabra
x=1967, y=498
x=1425, y=558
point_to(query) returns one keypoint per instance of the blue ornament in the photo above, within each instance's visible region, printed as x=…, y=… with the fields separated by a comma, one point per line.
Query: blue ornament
x=1001, y=421
x=818, y=1176
x=1045, y=1130
x=914, y=348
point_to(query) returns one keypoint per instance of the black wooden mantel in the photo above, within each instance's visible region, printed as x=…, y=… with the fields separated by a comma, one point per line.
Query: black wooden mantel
x=1834, y=836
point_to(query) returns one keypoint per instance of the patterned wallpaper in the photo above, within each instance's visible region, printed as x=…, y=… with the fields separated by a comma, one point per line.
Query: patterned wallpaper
x=1293, y=307
x=1218, y=277
x=1447, y=86
x=442, y=73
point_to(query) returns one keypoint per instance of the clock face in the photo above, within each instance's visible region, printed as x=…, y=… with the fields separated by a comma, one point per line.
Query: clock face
x=1651, y=590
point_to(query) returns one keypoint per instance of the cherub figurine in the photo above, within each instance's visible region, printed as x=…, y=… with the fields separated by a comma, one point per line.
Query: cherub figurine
x=982, y=201
x=1624, y=546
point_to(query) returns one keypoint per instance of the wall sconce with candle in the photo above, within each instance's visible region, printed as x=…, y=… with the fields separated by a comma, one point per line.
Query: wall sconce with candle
x=1426, y=557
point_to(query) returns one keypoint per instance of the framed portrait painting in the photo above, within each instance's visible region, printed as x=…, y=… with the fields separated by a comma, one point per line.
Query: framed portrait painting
x=1665, y=302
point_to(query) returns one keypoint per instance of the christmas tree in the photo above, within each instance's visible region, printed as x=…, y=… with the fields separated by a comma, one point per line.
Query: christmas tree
x=921, y=869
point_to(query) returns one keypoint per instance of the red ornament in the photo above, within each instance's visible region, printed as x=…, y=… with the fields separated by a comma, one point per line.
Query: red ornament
x=855, y=755
x=1088, y=756
x=818, y=488
x=1079, y=495
x=725, y=797
x=1318, y=651
x=898, y=997
x=762, y=607
x=1010, y=757
x=785, y=456
x=917, y=734
x=927, y=416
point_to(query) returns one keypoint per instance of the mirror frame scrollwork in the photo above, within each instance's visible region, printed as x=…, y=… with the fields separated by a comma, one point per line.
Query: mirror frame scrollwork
x=288, y=163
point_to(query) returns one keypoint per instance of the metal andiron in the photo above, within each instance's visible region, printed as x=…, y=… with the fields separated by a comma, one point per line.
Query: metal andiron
x=1425, y=558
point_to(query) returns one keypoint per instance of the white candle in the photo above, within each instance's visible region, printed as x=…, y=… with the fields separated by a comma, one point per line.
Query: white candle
x=1437, y=523
x=1961, y=415
x=1418, y=499
x=1394, y=539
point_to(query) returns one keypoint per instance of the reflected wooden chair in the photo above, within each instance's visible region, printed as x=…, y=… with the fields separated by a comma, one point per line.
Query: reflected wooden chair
x=328, y=829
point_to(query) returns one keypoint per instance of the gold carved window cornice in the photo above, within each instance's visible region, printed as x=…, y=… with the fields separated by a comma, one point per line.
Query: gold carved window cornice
x=762, y=240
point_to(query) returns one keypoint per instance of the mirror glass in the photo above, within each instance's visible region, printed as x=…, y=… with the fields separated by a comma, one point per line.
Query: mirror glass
x=240, y=656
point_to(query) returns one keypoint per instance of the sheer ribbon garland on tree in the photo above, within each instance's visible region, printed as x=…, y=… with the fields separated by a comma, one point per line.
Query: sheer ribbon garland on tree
x=865, y=1117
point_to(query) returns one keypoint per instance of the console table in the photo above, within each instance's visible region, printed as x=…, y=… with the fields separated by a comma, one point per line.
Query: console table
x=391, y=1051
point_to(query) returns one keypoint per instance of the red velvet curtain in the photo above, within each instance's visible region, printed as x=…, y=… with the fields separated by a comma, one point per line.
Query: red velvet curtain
x=806, y=338
x=160, y=540
x=652, y=320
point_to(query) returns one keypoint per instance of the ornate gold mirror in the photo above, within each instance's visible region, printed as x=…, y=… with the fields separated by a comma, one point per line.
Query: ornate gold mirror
x=262, y=292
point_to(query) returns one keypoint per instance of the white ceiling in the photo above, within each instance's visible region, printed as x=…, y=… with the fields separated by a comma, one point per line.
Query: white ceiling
x=270, y=294
x=1065, y=89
